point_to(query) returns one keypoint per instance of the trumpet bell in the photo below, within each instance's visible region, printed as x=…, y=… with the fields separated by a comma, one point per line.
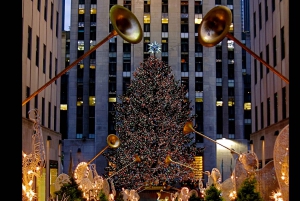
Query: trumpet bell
x=214, y=26
x=137, y=159
x=113, y=141
x=188, y=128
x=168, y=160
x=126, y=24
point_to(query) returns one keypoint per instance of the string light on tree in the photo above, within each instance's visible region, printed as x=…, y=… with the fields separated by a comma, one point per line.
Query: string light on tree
x=149, y=121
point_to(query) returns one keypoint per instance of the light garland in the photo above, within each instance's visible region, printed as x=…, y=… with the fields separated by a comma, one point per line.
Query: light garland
x=276, y=195
x=32, y=164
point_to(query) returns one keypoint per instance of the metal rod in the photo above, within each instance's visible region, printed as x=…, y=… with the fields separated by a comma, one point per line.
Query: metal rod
x=121, y=169
x=97, y=155
x=183, y=165
x=187, y=166
x=230, y=36
x=216, y=142
x=112, y=34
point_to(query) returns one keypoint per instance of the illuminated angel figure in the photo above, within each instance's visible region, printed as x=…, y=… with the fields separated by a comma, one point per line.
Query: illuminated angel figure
x=154, y=47
x=33, y=163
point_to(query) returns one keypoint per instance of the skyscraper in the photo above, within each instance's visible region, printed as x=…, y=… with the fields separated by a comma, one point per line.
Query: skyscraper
x=214, y=76
x=41, y=61
x=270, y=92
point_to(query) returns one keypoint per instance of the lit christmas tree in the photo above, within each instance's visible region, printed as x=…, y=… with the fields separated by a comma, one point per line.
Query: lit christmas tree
x=150, y=117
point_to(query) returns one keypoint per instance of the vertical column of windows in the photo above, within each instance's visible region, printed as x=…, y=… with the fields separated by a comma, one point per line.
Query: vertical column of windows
x=275, y=108
x=259, y=16
x=147, y=20
x=165, y=30
x=184, y=46
x=199, y=118
x=283, y=102
x=261, y=66
x=55, y=117
x=256, y=119
x=43, y=111
x=282, y=43
x=27, y=104
x=51, y=16
x=49, y=115
x=184, y=31
x=267, y=57
x=56, y=24
x=80, y=66
x=55, y=69
x=44, y=58
x=92, y=69
x=254, y=24
x=262, y=115
x=266, y=10
x=112, y=80
x=29, y=41
x=198, y=46
x=268, y=111
x=231, y=75
x=45, y=10
x=274, y=52
x=255, y=71
x=37, y=51
x=50, y=65
x=38, y=5
x=247, y=105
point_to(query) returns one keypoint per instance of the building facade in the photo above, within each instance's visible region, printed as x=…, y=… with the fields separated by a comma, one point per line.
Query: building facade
x=41, y=61
x=217, y=78
x=269, y=27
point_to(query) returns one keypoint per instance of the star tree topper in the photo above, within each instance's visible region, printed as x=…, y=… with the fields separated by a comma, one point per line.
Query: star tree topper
x=154, y=47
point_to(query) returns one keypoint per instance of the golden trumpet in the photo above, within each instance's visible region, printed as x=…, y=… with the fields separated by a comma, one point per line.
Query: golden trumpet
x=215, y=26
x=124, y=23
x=188, y=128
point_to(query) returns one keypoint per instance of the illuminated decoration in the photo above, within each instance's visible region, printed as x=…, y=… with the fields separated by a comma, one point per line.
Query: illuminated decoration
x=90, y=182
x=232, y=195
x=214, y=178
x=130, y=194
x=33, y=163
x=281, y=161
x=154, y=47
x=81, y=171
x=61, y=180
x=276, y=195
x=246, y=165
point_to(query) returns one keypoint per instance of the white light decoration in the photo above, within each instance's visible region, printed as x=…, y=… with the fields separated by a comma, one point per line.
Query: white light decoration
x=276, y=195
x=154, y=47
x=33, y=163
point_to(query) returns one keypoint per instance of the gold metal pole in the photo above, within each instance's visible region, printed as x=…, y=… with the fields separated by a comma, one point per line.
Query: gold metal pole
x=97, y=154
x=216, y=142
x=230, y=36
x=112, y=34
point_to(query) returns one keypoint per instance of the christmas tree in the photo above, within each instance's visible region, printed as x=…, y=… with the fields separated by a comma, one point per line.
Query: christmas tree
x=248, y=192
x=213, y=194
x=70, y=190
x=149, y=118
